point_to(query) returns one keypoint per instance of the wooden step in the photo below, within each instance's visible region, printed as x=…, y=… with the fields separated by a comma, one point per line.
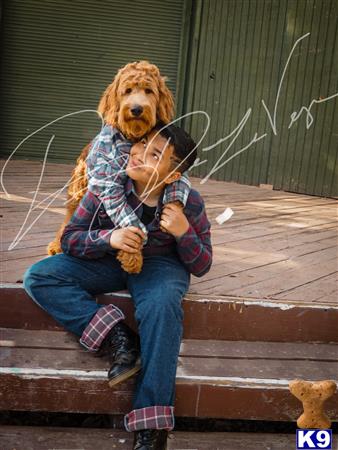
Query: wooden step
x=205, y=317
x=43, y=370
x=43, y=438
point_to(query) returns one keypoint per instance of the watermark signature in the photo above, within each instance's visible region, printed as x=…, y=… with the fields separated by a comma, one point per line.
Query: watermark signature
x=222, y=160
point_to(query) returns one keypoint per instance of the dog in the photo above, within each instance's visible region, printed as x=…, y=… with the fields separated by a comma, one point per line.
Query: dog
x=134, y=102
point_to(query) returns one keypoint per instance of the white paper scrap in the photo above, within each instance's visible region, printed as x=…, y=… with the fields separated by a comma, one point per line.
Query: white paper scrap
x=228, y=212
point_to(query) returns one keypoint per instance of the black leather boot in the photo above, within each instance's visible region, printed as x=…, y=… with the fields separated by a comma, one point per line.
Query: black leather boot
x=150, y=439
x=122, y=345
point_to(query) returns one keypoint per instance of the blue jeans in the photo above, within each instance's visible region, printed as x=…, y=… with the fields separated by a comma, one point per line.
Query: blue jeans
x=65, y=287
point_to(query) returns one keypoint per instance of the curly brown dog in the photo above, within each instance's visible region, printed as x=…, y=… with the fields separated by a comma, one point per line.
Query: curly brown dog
x=134, y=111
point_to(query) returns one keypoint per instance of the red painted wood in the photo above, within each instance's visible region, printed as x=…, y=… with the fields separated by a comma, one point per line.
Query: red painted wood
x=205, y=317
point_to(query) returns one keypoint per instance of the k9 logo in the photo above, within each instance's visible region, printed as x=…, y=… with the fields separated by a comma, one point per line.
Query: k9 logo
x=315, y=439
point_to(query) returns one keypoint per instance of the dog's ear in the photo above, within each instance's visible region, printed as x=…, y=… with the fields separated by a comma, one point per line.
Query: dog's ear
x=165, y=110
x=109, y=104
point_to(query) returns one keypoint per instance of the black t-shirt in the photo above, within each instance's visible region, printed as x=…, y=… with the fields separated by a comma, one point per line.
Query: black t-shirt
x=148, y=214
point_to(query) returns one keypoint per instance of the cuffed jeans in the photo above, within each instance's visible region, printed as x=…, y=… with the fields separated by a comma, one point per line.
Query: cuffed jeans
x=65, y=287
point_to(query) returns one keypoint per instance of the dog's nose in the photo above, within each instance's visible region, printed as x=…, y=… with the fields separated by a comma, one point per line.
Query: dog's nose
x=136, y=110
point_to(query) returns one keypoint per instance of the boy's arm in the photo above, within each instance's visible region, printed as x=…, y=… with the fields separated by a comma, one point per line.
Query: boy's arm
x=194, y=246
x=179, y=190
x=107, y=162
x=78, y=239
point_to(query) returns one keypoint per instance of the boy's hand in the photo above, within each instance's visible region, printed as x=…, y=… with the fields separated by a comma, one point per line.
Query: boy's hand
x=129, y=239
x=173, y=220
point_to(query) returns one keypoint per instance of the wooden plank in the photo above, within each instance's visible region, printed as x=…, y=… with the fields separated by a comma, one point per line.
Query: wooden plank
x=204, y=317
x=197, y=396
x=242, y=255
x=252, y=253
x=11, y=208
x=317, y=290
x=292, y=278
x=34, y=222
x=258, y=228
x=62, y=340
x=28, y=242
x=261, y=233
x=224, y=370
x=258, y=350
x=243, y=212
x=226, y=232
x=21, y=265
x=15, y=255
x=42, y=438
x=47, y=209
x=275, y=277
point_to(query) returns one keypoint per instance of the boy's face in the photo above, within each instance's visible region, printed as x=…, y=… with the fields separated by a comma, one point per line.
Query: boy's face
x=152, y=157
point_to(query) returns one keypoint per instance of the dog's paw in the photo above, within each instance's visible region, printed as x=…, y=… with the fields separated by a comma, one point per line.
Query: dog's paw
x=53, y=248
x=130, y=262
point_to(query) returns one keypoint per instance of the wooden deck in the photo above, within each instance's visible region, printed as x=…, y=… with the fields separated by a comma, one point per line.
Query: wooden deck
x=277, y=246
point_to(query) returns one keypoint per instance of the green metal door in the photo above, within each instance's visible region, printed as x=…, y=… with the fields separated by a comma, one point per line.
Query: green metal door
x=58, y=56
x=237, y=61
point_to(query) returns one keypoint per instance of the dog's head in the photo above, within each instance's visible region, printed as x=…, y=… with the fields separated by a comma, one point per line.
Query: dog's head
x=136, y=99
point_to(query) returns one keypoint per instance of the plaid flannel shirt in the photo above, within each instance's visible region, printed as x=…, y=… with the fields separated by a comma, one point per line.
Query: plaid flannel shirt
x=87, y=235
x=106, y=164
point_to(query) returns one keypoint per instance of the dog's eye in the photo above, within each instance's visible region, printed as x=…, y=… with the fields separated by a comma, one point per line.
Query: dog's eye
x=148, y=91
x=127, y=91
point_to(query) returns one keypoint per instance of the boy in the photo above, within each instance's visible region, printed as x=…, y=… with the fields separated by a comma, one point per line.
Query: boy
x=65, y=284
x=106, y=164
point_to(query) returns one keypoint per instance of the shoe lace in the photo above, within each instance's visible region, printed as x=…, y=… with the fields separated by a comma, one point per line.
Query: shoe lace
x=146, y=436
x=120, y=336
x=119, y=340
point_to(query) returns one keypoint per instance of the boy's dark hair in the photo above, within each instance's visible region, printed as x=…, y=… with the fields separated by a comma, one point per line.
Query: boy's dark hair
x=183, y=144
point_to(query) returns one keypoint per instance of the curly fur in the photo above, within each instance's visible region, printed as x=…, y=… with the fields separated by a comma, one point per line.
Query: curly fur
x=148, y=89
x=115, y=104
x=130, y=262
